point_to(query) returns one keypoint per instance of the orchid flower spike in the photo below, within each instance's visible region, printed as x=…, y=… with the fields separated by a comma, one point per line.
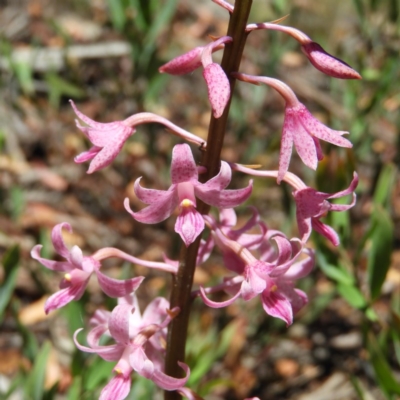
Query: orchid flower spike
x=109, y=138
x=183, y=192
x=312, y=205
x=138, y=346
x=299, y=127
x=78, y=269
x=215, y=77
x=319, y=58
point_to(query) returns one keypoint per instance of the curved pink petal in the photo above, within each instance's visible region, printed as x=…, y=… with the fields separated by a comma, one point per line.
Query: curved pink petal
x=183, y=166
x=305, y=146
x=352, y=187
x=150, y=196
x=50, y=264
x=224, y=198
x=217, y=304
x=156, y=311
x=218, y=86
x=117, y=389
x=277, y=305
x=183, y=64
x=94, y=335
x=319, y=130
x=118, y=324
x=167, y=382
x=325, y=230
x=285, y=152
x=108, y=353
x=189, y=225
x=63, y=297
x=87, y=155
x=58, y=241
x=155, y=212
x=327, y=63
x=220, y=181
x=107, y=154
x=117, y=287
x=300, y=269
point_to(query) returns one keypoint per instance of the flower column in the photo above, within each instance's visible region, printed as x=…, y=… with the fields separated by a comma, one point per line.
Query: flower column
x=182, y=285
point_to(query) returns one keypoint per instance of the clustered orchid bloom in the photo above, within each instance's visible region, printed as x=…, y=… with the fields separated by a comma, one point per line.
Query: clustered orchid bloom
x=259, y=261
x=79, y=268
x=271, y=275
x=138, y=345
x=183, y=192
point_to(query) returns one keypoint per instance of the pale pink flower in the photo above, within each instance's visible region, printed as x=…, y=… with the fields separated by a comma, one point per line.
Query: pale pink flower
x=217, y=82
x=318, y=57
x=311, y=205
x=109, y=138
x=78, y=269
x=299, y=128
x=138, y=346
x=183, y=192
x=271, y=277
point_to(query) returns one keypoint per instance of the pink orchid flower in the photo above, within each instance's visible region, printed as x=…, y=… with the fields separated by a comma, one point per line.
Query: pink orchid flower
x=318, y=57
x=78, y=270
x=274, y=283
x=312, y=205
x=109, y=138
x=217, y=82
x=183, y=192
x=299, y=128
x=257, y=275
x=138, y=346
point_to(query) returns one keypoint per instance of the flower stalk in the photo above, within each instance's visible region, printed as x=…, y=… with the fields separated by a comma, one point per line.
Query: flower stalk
x=182, y=283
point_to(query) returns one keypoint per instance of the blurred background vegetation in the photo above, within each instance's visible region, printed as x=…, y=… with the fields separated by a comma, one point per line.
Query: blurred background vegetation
x=105, y=55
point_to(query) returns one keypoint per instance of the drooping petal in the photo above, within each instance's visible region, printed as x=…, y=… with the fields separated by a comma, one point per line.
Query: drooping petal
x=149, y=196
x=183, y=166
x=167, y=382
x=327, y=63
x=319, y=130
x=224, y=198
x=116, y=287
x=108, y=353
x=155, y=212
x=305, y=146
x=117, y=389
x=352, y=187
x=156, y=311
x=325, y=230
x=277, y=305
x=58, y=241
x=189, y=224
x=301, y=268
x=50, y=264
x=87, y=155
x=118, y=324
x=99, y=133
x=218, y=304
x=63, y=297
x=285, y=152
x=220, y=181
x=219, y=90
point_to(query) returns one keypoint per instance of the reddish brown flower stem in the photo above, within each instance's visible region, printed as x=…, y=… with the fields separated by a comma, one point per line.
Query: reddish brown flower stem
x=182, y=282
